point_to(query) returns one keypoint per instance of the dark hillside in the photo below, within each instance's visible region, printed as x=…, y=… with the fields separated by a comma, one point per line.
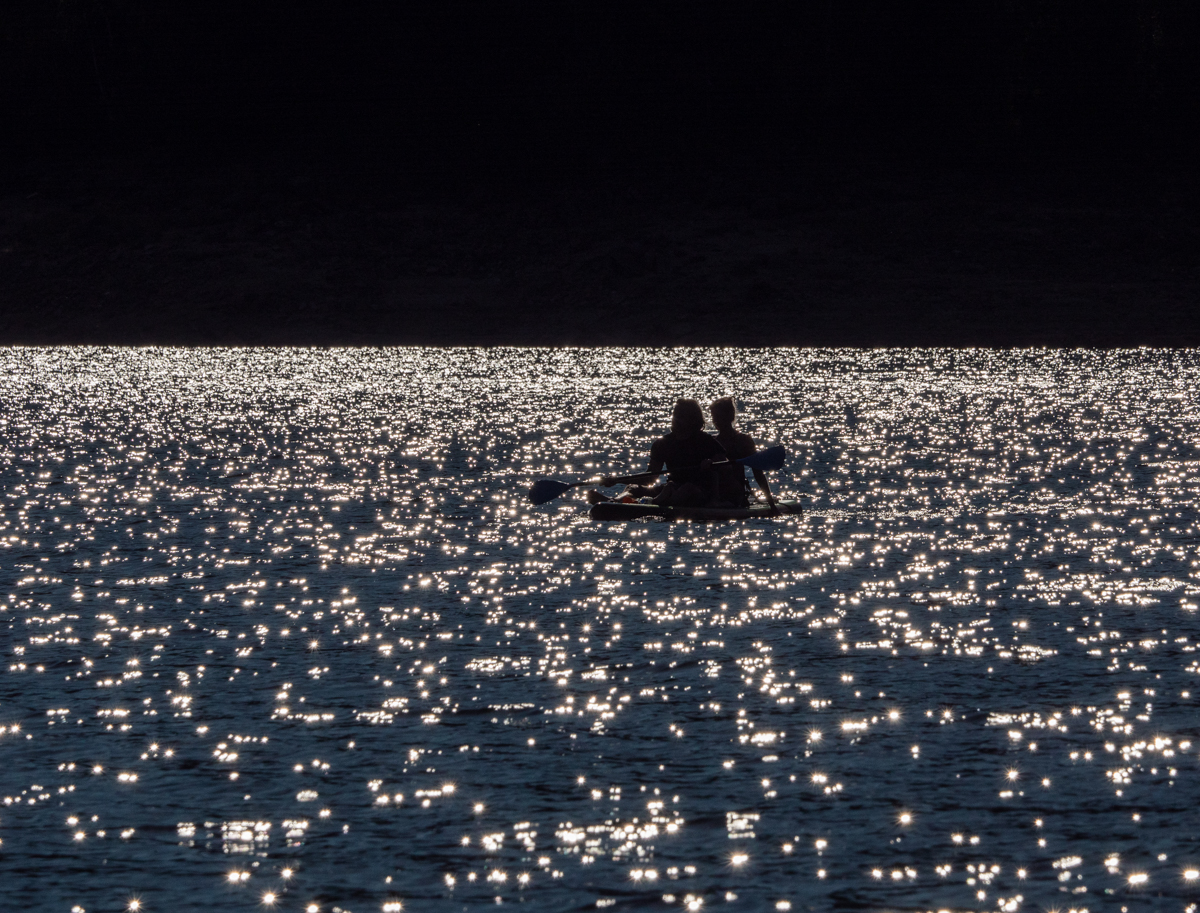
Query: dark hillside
x=1003, y=171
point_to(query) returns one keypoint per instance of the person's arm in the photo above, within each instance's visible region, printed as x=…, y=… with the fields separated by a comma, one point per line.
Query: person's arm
x=759, y=476
x=714, y=453
x=710, y=481
x=657, y=459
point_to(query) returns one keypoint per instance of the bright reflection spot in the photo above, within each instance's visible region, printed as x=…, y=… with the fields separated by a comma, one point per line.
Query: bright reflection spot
x=905, y=817
x=1139, y=878
x=1191, y=874
x=268, y=898
x=739, y=859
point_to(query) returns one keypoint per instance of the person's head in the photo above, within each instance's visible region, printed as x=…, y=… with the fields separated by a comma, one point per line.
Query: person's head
x=687, y=417
x=723, y=412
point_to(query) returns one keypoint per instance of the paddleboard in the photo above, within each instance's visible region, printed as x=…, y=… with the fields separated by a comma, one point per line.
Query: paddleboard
x=613, y=511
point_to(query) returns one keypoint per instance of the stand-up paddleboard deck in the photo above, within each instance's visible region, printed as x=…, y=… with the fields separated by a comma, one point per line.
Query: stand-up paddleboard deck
x=609, y=511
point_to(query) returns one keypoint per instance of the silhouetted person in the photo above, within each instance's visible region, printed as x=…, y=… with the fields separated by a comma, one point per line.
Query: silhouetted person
x=731, y=477
x=687, y=453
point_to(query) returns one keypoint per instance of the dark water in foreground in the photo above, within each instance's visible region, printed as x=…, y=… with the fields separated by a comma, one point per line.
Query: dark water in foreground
x=279, y=632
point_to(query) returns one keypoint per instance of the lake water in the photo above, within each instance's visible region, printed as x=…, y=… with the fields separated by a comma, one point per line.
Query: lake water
x=279, y=631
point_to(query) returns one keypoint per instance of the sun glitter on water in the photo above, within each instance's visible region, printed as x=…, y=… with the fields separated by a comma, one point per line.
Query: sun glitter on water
x=283, y=633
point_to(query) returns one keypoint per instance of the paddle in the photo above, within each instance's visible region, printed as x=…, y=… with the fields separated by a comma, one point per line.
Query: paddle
x=544, y=490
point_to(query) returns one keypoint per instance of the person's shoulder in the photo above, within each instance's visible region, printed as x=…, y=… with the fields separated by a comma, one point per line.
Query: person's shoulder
x=738, y=445
x=712, y=445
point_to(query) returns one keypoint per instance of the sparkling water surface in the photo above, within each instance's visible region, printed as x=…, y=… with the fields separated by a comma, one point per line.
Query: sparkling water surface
x=279, y=631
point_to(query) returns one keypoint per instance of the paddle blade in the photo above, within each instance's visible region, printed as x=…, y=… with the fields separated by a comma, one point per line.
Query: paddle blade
x=544, y=490
x=771, y=458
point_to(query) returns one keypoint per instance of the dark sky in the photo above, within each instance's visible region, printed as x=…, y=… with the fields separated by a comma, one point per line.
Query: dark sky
x=830, y=172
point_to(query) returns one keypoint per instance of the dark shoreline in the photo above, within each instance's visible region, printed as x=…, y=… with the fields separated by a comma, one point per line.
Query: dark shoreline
x=274, y=253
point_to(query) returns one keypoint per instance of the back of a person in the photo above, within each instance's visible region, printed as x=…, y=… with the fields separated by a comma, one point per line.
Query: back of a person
x=683, y=454
x=731, y=477
x=738, y=445
x=684, y=451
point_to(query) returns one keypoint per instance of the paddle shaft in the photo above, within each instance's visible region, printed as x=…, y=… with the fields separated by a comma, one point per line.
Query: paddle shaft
x=651, y=476
x=635, y=479
x=638, y=478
